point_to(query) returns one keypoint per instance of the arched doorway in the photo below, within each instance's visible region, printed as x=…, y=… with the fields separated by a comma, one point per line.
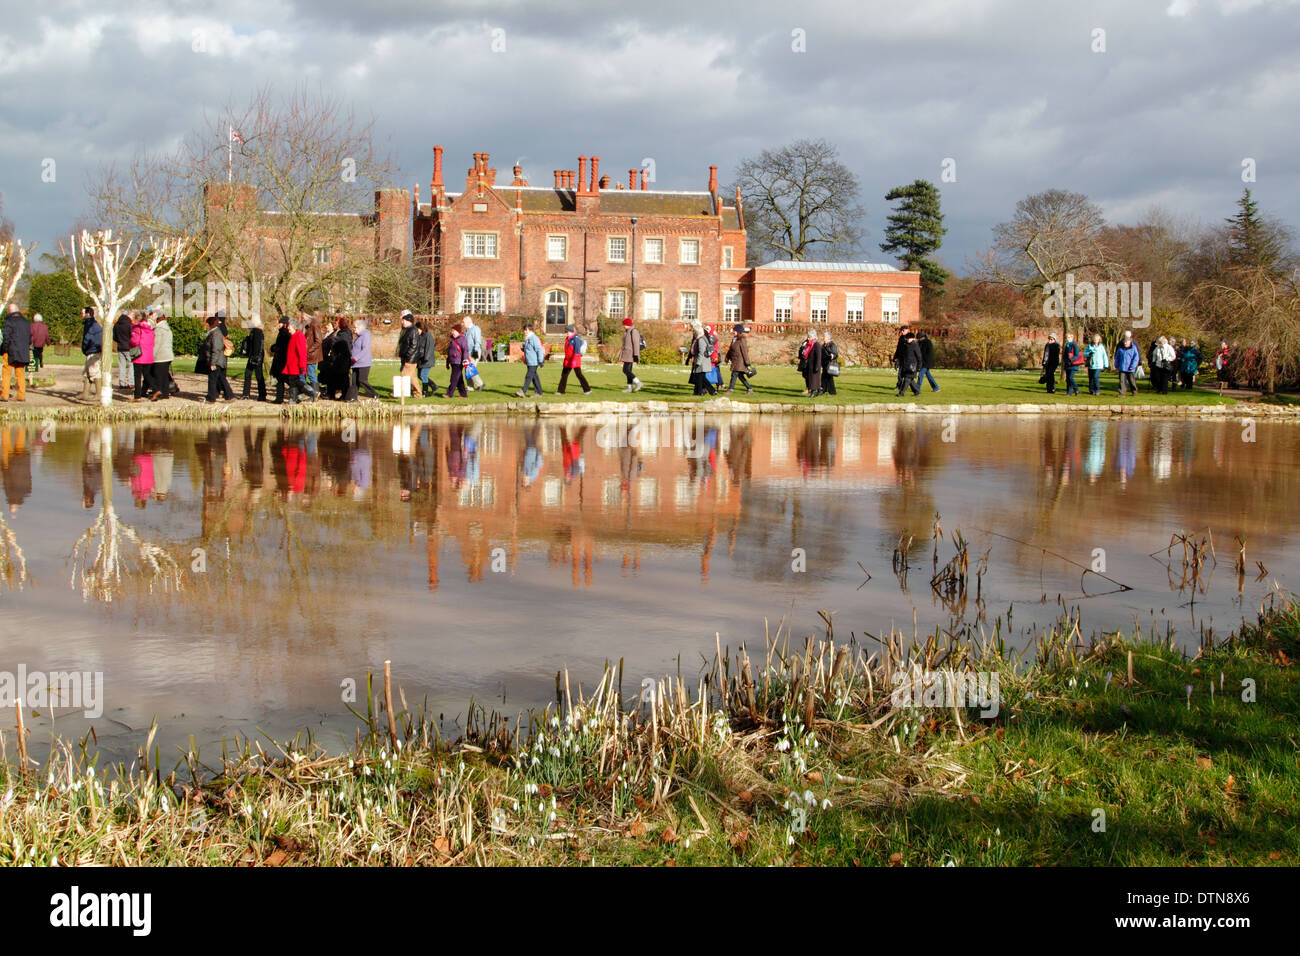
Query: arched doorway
x=557, y=310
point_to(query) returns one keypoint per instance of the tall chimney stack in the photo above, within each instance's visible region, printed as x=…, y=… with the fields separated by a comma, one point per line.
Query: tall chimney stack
x=437, y=166
x=631, y=179
x=713, y=181
x=557, y=178
x=595, y=175
x=645, y=179
x=582, y=174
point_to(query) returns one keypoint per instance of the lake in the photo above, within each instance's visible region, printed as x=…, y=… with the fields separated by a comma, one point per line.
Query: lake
x=244, y=573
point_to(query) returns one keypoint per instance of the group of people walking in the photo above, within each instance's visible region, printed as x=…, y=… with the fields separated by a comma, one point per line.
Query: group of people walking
x=1170, y=364
x=914, y=358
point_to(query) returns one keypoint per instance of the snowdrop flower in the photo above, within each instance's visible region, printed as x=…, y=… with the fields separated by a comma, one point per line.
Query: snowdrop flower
x=809, y=797
x=826, y=804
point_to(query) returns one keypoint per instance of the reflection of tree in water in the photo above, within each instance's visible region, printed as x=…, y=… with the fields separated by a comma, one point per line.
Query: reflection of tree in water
x=13, y=564
x=111, y=549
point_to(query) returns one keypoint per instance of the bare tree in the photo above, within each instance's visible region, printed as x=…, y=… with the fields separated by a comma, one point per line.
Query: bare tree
x=281, y=191
x=1052, y=234
x=13, y=263
x=801, y=200
x=111, y=272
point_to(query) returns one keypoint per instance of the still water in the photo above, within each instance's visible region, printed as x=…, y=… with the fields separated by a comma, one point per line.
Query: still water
x=233, y=578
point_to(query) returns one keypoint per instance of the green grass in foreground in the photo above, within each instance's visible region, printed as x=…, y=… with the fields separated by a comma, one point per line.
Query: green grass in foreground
x=774, y=383
x=747, y=778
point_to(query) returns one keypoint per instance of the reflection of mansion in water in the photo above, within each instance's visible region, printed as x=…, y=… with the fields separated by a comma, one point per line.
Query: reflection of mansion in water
x=585, y=487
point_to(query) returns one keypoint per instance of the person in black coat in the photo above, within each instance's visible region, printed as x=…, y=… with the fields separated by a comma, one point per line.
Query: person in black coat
x=279, y=353
x=907, y=356
x=927, y=361
x=254, y=349
x=1051, y=361
x=122, y=346
x=830, y=353
x=17, y=349
x=338, y=355
x=427, y=357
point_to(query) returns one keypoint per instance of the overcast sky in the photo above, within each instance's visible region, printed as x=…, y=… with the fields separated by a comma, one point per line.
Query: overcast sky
x=1011, y=90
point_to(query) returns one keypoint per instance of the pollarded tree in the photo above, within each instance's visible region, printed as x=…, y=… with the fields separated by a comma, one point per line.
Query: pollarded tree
x=112, y=272
x=800, y=200
x=915, y=231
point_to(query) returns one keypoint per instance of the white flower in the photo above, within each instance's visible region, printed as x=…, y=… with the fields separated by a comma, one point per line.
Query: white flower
x=809, y=797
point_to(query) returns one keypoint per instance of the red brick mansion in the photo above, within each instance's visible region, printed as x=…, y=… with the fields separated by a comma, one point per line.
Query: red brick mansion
x=583, y=245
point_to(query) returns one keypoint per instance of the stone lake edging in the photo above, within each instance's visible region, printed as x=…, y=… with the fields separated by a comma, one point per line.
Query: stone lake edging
x=373, y=410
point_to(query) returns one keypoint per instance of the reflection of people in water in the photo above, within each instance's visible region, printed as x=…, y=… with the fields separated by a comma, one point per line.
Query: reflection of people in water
x=531, y=465
x=575, y=465
x=1126, y=451
x=141, y=478
x=91, y=473
x=703, y=458
x=1096, y=460
x=815, y=449
x=740, y=453
x=911, y=452
x=16, y=462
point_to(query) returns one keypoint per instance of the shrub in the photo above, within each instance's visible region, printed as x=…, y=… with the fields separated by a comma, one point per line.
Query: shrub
x=56, y=297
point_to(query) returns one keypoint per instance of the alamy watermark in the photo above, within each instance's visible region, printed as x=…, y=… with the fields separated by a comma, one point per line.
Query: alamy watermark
x=947, y=689
x=238, y=300
x=81, y=690
x=1098, y=300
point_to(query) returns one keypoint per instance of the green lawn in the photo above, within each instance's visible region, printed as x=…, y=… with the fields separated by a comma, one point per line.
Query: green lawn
x=774, y=383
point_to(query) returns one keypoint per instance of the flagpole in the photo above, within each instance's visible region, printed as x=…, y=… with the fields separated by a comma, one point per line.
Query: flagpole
x=230, y=154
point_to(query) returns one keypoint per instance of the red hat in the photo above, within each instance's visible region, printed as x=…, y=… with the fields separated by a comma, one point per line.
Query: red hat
x=627, y=322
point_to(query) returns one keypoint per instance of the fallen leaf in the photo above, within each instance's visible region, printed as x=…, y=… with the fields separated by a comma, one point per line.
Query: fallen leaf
x=637, y=829
x=1000, y=733
x=669, y=835
x=746, y=796
x=277, y=858
x=739, y=839
x=442, y=845
x=815, y=776
x=1275, y=855
x=1196, y=672
x=670, y=863
x=639, y=802
x=895, y=859
x=1204, y=762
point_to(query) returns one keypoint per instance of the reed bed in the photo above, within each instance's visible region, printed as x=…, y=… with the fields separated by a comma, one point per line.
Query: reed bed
x=798, y=753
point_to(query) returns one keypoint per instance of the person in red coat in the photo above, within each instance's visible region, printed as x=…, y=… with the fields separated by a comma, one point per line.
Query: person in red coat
x=574, y=346
x=295, y=364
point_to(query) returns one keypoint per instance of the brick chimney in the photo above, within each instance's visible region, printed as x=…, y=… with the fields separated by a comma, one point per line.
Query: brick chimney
x=582, y=174
x=631, y=179
x=713, y=181
x=645, y=179
x=595, y=175
x=519, y=176
x=604, y=182
x=557, y=178
x=489, y=174
x=437, y=168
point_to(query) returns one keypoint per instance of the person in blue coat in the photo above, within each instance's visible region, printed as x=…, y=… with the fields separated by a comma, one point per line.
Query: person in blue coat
x=92, y=346
x=1098, y=361
x=534, y=356
x=1128, y=359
